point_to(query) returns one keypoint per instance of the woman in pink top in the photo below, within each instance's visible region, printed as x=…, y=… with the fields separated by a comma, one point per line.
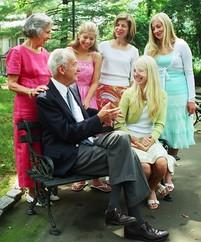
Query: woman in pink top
x=28, y=75
x=84, y=82
x=89, y=62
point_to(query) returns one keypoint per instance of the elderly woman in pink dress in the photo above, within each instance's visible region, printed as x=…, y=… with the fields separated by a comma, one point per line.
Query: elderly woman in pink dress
x=28, y=75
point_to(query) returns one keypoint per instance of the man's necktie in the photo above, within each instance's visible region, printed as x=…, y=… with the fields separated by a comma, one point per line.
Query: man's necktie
x=74, y=107
x=77, y=113
x=69, y=99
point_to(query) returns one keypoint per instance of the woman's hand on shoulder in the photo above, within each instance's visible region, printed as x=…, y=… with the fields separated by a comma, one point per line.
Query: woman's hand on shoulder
x=37, y=90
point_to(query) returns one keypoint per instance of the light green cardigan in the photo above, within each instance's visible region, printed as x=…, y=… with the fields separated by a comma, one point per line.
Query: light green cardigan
x=129, y=117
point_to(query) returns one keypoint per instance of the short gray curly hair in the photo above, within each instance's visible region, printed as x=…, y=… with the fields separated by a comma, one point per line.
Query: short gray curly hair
x=35, y=24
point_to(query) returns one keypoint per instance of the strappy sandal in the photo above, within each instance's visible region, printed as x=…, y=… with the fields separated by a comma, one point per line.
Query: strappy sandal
x=30, y=199
x=103, y=187
x=169, y=186
x=163, y=190
x=153, y=204
x=78, y=186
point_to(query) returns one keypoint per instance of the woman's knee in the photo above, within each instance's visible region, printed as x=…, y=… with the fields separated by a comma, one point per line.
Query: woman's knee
x=161, y=164
x=147, y=169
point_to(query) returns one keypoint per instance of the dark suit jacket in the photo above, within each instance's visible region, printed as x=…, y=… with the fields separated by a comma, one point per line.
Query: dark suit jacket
x=61, y=133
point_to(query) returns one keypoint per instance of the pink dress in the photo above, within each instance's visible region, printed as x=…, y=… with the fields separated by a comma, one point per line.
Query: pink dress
x=33, y=71
x=85, y=75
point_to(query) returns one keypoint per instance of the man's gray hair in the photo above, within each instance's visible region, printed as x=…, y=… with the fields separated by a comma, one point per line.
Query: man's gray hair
x=58, y=58
x=36, y=24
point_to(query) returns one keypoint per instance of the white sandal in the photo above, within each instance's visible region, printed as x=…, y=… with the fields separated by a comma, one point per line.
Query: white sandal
x=30, y=199
x=153, y=204
x=163, y=190
x=169, y=186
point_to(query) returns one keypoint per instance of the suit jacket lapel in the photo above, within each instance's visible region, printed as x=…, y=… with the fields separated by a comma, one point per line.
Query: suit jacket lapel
x=60, y=99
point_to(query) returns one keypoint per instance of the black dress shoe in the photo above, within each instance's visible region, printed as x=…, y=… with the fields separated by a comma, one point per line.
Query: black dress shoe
x=144, y=232
x=115, y=217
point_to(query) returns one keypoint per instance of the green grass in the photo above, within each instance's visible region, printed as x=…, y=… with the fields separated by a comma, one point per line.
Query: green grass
x=7, y=164
x=15, y=226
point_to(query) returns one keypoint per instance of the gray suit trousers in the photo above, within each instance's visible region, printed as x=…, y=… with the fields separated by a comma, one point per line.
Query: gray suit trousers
x=111, y=154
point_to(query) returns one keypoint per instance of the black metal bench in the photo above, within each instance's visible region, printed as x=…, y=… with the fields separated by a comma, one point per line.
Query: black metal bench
x=42, y=173
x=198, y=108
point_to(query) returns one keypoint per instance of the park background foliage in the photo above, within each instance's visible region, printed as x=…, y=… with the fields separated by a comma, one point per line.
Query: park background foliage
x=185, y=15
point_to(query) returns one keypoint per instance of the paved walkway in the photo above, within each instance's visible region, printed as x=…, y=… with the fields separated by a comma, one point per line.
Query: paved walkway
x=80, y=216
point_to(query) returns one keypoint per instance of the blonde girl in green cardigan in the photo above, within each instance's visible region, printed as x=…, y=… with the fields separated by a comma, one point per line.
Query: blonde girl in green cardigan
x=143, y=114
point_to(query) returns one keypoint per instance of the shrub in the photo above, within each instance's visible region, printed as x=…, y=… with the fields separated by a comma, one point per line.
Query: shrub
x=197, y=72
x=3, y=79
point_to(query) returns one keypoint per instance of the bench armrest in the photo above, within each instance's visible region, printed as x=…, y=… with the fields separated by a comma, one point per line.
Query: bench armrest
x=42, y=166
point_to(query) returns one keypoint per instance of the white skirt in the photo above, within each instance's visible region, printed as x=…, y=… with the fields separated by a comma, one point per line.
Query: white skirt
x=153, y=153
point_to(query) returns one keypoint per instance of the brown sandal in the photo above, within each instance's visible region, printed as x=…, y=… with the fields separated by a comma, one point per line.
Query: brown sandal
x=78, y=186
x=103, y=187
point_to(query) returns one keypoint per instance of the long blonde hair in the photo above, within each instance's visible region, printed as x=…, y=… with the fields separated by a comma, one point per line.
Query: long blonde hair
x=86, y=27
x=153, y=46
x=152, y=89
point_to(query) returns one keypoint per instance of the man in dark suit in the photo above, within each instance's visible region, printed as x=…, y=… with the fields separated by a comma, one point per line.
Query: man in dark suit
x=70, y=139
